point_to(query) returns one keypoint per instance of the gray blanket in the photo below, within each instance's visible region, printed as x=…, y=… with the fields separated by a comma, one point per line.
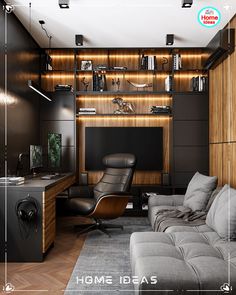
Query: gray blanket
x=181, y=216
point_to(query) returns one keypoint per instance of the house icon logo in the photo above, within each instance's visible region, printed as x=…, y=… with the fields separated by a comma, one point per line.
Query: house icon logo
x=209, y=17
x=226, y=288
x=8, y=288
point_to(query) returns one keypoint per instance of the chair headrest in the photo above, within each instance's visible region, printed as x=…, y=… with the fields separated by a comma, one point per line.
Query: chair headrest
x=119, y=161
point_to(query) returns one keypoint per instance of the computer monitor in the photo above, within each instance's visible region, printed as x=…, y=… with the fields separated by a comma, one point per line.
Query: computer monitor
x=54, y=151
x=36, y=156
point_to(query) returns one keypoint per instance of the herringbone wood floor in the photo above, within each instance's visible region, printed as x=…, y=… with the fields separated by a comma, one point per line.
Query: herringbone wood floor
x=54, y=273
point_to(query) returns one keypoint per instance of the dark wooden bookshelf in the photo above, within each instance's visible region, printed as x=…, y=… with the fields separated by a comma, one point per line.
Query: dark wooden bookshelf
x=67, y=70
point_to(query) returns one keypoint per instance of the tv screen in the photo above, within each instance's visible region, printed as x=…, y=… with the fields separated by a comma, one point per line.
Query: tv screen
x=144, y=142
x=36, y=156
x=54, y=150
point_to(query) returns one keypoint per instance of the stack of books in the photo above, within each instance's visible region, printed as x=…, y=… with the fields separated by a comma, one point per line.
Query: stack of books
x=99, y=81
x=63, y=87
x=148, y=62
x=86, y=111
x=160, y=110
x=199, y=84
x=168, y=83
x=11, y=181
x=177, y=63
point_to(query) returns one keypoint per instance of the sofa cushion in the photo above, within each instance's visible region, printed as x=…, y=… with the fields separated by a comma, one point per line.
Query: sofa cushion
x=198, y=229
x=222, y=214
x=199, y=191
x=192, y=261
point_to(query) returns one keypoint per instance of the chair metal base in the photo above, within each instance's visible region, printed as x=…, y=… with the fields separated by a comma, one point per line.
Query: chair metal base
x=97, y=225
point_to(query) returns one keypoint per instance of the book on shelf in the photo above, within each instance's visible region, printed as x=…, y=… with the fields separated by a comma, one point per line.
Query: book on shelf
x=168, y=83
x=177, y=62
x=199, y=84
x=148, y=62
x=160, y=109
x=99, y=82
x=86, y=111
x=11, y=181
x=63, y=87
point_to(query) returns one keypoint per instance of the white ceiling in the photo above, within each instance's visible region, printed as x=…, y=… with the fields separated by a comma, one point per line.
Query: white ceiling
x=121, y=23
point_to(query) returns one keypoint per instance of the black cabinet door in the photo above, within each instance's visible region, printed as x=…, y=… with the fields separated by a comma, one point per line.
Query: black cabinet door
x=190, y=136
x=24, y=239
x=190, y=107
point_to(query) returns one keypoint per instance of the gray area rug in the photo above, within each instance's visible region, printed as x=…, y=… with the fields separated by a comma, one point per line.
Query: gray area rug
x=104, y=262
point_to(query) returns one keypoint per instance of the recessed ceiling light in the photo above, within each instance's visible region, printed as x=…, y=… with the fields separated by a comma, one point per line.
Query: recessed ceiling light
x=64, y=3
x=187, y=3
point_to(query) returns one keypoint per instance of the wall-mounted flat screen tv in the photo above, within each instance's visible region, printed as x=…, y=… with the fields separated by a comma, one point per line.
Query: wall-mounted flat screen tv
x=145, y=142
x=54, y=150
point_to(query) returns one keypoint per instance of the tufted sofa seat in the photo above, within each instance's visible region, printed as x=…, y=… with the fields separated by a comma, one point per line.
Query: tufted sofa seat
x=182, y=258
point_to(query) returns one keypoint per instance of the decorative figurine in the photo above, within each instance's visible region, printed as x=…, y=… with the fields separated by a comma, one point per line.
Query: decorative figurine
x=139, y=86
x=124, y=107
x=85, y=83
x=115, y=82
x=164, y=62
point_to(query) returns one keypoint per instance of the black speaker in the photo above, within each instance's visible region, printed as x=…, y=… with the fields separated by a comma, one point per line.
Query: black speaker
x=79, y=40
x=83, y=179
x=165, y=179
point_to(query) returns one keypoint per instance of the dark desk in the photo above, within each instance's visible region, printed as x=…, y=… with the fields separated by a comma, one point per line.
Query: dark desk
x=44, y=192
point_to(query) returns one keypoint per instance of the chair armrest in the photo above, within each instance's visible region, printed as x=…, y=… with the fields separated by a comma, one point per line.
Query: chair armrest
x=162, y=200
x=115, y=194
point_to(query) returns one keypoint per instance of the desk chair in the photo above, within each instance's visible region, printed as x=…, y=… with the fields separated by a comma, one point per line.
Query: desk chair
x=110, y=195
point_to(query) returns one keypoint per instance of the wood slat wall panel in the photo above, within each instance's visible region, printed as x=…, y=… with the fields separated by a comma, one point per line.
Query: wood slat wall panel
x=141, y=177
x=216, y=156
x=223, y=119
x=229, y=164
x=215, y=107
x=104, y=104
x=48, y=211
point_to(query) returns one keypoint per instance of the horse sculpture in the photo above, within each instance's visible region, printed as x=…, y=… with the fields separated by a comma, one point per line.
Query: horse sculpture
x=124, y=107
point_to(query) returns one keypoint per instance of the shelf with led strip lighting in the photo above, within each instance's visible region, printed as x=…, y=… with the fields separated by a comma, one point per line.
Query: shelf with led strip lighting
x=67, y=70
x=126, y=115
x=117, y=93
x=124, y=71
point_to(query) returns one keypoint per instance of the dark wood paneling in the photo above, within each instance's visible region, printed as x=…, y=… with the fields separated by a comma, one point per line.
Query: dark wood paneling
x=62, y=106
x=190, y=107
x=192, y=133
x=59, y=116
x=23, y=116
x=191, y=159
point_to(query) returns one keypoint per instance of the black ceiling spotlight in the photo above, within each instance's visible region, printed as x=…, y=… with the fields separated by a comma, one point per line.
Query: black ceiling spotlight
x=169, y=39
x=64, y=3
x=187, y=3
x=79, y=40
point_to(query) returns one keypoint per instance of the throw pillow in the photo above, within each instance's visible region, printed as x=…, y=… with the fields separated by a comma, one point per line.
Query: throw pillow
x=199, y=191
x=222, y=214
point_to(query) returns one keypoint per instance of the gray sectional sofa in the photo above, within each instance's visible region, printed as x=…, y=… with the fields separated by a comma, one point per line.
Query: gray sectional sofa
x=184, y=259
